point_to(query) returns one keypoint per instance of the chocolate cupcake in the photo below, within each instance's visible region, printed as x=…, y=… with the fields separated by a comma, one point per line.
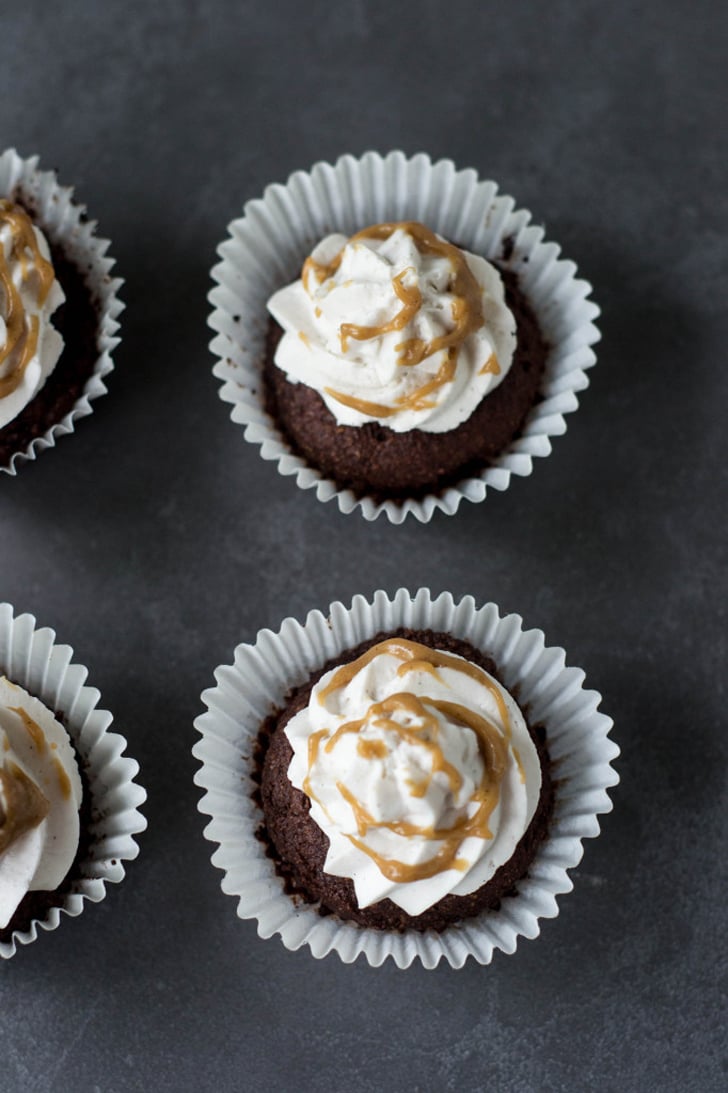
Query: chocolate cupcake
x=68, y=799
x=401, y=787
x=407, y=778
x=58, y=310
x=400, y=372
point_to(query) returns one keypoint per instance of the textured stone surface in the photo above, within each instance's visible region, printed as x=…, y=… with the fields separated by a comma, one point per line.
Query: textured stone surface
x=155, y=538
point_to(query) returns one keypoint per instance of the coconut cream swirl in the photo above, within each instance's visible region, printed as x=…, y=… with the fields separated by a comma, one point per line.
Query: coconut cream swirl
x=40, y=795
x=420, y=770
x=395, y=325
x=29, y=294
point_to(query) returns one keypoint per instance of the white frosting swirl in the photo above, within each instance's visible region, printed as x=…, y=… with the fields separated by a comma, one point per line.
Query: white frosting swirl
x=389, y=783
x=35, y=743
x=364, y=379
x=20, y=264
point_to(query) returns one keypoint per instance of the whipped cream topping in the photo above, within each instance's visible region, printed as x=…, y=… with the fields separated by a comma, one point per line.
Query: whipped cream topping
x=29, y=294
x=40, y=795
x=395, y=325
x=420, y=770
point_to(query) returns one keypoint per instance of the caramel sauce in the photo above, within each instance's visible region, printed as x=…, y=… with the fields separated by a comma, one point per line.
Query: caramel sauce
x=408, y=651
x=467, y=303
x=314, y=742
x=33, y=729
x=411, y=299
x=26, y=806
x=64, y=782
x=418, y=666
x=371, y=409
x=372, y=749
x=363, y=819
x=519, y=764
x=21, y=338
x=415, y=400
x=422, y=730
x=491, y=367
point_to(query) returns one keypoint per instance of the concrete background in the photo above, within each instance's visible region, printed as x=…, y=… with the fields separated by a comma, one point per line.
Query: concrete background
x=155, y=538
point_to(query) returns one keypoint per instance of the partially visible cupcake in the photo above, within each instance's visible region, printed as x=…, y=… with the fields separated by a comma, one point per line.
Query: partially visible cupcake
x=424, y=343
x=408, y=778
x=68, y=799
x=58, y=311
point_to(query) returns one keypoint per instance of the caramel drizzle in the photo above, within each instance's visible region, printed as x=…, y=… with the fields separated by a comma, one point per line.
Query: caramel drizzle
x=21, y=337
x=64, y=782
x=491, y=367
x=33, y=729
x=408, y=651
x=491, y=744
x=467, y=314
x=411, y=299
x=415, y=400
x=25, y=805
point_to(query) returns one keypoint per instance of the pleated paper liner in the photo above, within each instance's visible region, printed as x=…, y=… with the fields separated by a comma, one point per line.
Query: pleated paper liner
x=30, y=657
x=551, y=694
x=266, y=249
x=65, y=224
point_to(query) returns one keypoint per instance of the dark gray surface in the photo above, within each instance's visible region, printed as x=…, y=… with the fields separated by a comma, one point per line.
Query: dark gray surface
x=155, y=539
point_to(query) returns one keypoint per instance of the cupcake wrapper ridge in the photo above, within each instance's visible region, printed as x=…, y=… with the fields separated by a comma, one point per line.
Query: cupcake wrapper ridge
x=31, y=658
x=65, y=224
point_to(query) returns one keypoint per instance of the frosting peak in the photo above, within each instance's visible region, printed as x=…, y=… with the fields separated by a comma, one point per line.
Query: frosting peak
x=395, y=325
x=420, y=770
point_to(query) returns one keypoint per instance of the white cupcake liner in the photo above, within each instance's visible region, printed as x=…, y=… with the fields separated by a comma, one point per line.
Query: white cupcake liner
x=65, y=224
x=256, y=684
x=31, y=658
x=266, y=249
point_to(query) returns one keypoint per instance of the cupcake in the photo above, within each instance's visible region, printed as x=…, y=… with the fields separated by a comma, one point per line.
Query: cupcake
x=58, y=309
x=406, y=778
x=403, y=789
x=68, y=801
x=397, y=336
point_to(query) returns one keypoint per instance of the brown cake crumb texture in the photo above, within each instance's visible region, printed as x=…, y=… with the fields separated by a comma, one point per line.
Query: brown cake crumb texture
x=375, y=461
x=298, y=846
x=77, y=321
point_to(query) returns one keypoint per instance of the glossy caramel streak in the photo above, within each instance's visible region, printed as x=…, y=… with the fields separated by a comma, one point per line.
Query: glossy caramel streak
x=467, y=306
x=21, y=337
x=408, y=651
x=411, y=299
x=363, y=406
x=314, y=743
x=64, y=782
x=25, y=805
x=417, y=399
x=422, y=730
x=491, y=367
x=372, y=749
x=33, y=729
